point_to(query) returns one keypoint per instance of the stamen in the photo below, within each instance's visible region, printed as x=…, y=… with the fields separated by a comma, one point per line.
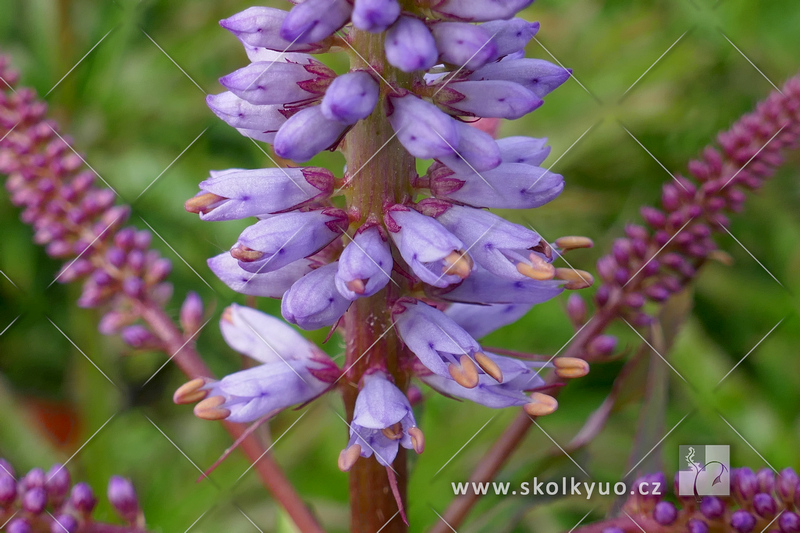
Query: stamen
x=573, y=242
x=243, y=253
x=393, y=432
x=541, y=404
x=458, y=263
x=209, y=409
x=539, y=269
x=227, y=314
x=489, y=366
x=348, y=457
x=570, y=367
x=202, y=203
x=465, y=374
x=417, y=439
x=190, y=392
x=357, y=286
x=576, y=279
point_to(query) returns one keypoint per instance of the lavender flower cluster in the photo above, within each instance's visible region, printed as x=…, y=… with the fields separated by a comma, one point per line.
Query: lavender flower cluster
x=759, y=501
x=449, y=271
x=43, y=501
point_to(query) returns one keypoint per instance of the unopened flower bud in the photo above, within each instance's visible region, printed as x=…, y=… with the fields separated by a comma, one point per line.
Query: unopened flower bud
x=122, y=497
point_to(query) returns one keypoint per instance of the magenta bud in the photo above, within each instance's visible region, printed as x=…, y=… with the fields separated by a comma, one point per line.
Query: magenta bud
x=634, y=300
x=653, y=217
x=651, y=268
x=613, y=530
x=35, y=500
x=712, y=507
x=116, y=257
x=125, y=238
x=764, y=505
x=657, y=293
x=19, y=525
x=8, y=490
x=159, y=270
x=140, y=337
x=601, y=296
x=665, y=513
x=6, y=469
x=133, y=287
x=602, y=345
x=696, y=526
x=192, y=313
x=766, y=480
x=142, y=239
x=57, y=483
x=64, y=523
x=122, y=497
x=34, y=478
x=742, y=521
x=787, y=484
x=576, y=308
x=82, y=498
x=789, y=522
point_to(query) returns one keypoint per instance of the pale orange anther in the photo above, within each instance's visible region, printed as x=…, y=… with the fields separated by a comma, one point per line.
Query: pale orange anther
x=190, y=392
x=417, y=439
x=227, y=314
x=394, y=432
x=573, y=242
x=202, y=202
x=243, y=253
x=458, y=264
x=209, y=409
x=570, y=367
x=465, y=374
x=576, y=279
x=541, y=404
x=357, y=286
x=489, y=366
x=348, y=457
x=539, y=269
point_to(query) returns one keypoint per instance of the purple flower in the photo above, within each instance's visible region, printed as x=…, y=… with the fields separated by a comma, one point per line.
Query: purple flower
x=233, y=194
x=269, y=284
x=464, y=45
x=480, y=320
x=382, y=422
x=433, y=253
x=257, y=121
x=510, y=36
x=483, y=287
x=273, y=83
x=350, y=98
x=375, y=15
x=477, y=151
x=479, y=10
x=537, y=75
x=526, y=150
x=365, y=265
x=410, y=46
x=314, y=20
x=313, y=301
x=259, y=27
x=289, y=374
x=493, y=98
x=306, y=134
x=509, y=186
x=424, y=130
x=282, y=239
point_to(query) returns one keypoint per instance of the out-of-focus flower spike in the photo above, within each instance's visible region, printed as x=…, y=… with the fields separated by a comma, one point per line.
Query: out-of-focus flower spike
x=350, y=98
x=375, y=15
x=365, y=266
x=314, y=20
x=510, y=36
x=269, y=284
x=259, y=27
x=241, y=114
x=478, y=10
x=422, y=128
x=492, y=98
x=278, y=83
x=464, y=45
x=526, y=150
x=410, y=46
x=307, y=133
x=537, y=75
x=477, y=151
x=313, y=301
x=480, y=320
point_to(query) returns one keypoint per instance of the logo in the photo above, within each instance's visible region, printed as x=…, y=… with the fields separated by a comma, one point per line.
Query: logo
x=704, y=471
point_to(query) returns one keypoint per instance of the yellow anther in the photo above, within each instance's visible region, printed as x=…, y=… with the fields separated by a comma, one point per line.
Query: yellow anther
x=539, y=269
x=576, y=279
x=489, y=366
x=202, y=203
x=210, y=409
x=574, y=242
x=570, y=367
x=190, y=392
x=465, y=374
x=458, y=264
x=541, y=404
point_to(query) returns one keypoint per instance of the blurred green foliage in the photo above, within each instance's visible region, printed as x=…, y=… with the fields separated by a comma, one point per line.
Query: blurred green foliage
x=132, y=112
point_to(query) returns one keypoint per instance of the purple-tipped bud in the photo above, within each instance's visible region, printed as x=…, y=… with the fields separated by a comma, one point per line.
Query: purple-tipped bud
x=122, y=497
x=365, y=266
x=464, y=45
x=278, y=83
x=233, y=194
x=314, y=20
x=307, y=133
x=526, y=150
x=8, y=490
x=787, y=483
x=375, y=15
x=133, y=287
x=510, y=36
x=34, y=478
x=764, y=505
x=602, y=345
x=350, y=98
x=789, y=522
x=191, y=315
x=34, y=500
x=476, y=151
x=766, y=480
x=410, y=45
x=259, y=27
x=422, y=128
x=479, y=10
x=744, y=483
x=537, y=75
x=696, y=526
x=742, y=521
x=243, y=115
x=433, y=253
x=19, y=525
x=665, y=513
x=82, y=498
x=712, y=507
x=6, y=469
x=576, y=308
x=140, y=337
x=269, y=284
x=492, y=99
x=313, y=301
x=64, y=523
x=613, y=530
x=57, y=483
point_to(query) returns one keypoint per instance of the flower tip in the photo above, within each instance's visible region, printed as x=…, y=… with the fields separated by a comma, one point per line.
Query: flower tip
x=190, y=392
x=570, y=367
x=574, y=242
x=348, y=457
x=417, y=439
x=465, y=374
x=541, y=404
x=576, y=279
x=211, y=409
x=489, y=366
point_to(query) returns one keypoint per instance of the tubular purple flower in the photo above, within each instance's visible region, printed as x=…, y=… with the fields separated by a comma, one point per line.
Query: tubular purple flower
x=509, y=186
x=307, y=133
x=464, y=45
x=510, y=36
x=483, y=287
x=365, y=266
x=241, y=114
x=382, y=422
x=477, y=151
x=433, y=253
x=481, y=320
x=375, y=15
x=314, y=20
x=492, y=99
x=270, y=284
x=526, y=150
x=279, y=240
x=537, y=75
x=422, y=128
x=351, y=97
x=236, y=193
x=479, y=10
x=410, y=46
x=313, y=301
x=259, y=27
x=279, y=83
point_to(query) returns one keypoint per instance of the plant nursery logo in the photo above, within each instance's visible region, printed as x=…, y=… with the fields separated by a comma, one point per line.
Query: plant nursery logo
x=704, y=470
